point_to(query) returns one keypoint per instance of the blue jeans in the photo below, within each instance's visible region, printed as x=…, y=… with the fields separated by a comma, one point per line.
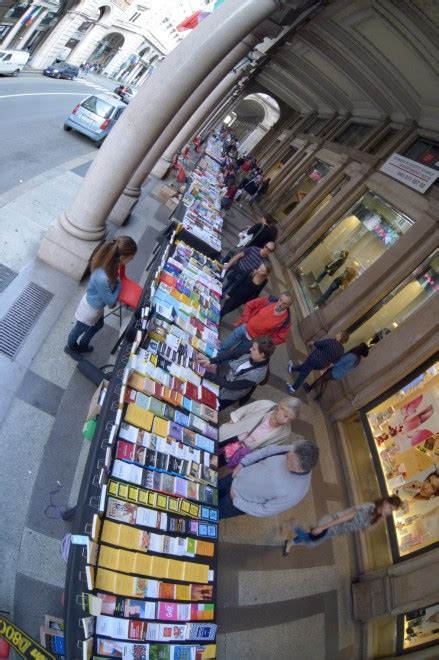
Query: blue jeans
x=225, y=504
x=236, y=340
x=329, y=291
x=87, y=332
x=304, y=370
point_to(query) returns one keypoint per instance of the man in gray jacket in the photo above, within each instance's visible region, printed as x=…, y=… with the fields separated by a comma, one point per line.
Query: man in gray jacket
x=269, y=480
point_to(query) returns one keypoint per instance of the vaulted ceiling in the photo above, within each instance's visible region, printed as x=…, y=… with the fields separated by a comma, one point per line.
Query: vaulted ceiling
x=369, y=58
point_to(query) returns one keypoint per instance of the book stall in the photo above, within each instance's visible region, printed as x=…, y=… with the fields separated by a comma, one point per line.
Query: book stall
x=199, y=212
x=142, y=564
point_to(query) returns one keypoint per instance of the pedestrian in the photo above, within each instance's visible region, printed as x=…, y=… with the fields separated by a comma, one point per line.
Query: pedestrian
x=245, y=288
x=325, y=353
x=269, y=316
x=245, y=261
x=229, y=196
x=263, y=231
x=339, y=370
x=251, y=189
x=268, y=481
x=340, y=282
x=103, y=289
x=256, y=425
x=356, y=518
x=244, y=373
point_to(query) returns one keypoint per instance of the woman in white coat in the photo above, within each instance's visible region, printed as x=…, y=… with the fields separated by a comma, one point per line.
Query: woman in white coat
x=257, y=425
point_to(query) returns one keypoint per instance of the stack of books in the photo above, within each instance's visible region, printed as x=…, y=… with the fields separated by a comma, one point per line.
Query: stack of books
x=151, y=557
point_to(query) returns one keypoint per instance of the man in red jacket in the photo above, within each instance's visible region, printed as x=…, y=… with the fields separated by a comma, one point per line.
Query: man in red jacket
x=269, y=316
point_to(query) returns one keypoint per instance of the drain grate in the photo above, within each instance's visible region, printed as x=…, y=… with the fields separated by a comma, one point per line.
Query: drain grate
x=6, y=277
x=21, y=318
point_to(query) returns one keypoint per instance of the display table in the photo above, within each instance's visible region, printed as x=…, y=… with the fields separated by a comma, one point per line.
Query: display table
x=142, y=565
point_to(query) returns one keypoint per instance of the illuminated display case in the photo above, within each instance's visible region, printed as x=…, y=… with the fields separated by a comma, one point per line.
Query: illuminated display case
x=418, y=629
x=403, y=430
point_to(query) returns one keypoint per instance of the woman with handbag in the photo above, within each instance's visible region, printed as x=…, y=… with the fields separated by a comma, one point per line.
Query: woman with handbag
x=256, y=425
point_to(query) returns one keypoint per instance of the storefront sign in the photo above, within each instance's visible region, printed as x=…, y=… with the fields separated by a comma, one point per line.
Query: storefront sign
x=409, y=172
x=25, y=646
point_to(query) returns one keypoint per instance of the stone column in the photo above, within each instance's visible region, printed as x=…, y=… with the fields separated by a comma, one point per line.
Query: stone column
x=194, y=122
x=88, y=43
x=215, y=116
x=72, y=237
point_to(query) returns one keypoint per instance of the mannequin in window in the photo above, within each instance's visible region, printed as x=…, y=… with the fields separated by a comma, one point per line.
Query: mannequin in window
x=378, y=336
x=340, y=282
x=332, y=266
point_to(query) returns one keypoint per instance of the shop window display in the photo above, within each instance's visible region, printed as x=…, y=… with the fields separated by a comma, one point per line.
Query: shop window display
x=404, y=430
x=399, y=305
x=420, y=628
x=303, y=187
x=349, y=247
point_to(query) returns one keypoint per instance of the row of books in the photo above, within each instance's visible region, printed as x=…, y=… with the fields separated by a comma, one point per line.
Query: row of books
x=162, y=502
x=134, y=629
x=203, y=204
x=133, y=608
x=156, y=543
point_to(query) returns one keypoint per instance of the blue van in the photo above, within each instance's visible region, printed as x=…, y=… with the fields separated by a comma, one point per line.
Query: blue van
x=95, y=116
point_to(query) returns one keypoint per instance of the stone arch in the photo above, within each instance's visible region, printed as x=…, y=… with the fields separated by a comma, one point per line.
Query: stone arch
x=104, y=12
x=255, y=115
x=107, y=48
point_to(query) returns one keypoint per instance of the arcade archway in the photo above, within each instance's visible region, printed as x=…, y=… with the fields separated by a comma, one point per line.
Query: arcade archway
x=107, y=49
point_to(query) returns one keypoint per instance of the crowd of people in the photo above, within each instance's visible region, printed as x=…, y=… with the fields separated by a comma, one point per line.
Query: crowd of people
x=269, y=468
x=91, y=67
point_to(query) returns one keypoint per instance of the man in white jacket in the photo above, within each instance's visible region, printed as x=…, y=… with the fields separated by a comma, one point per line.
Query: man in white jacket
x=268, y=481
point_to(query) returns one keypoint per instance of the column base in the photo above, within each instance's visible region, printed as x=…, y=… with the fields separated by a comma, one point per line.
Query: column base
x=66, y=253
x=161, y=167
x=123, y=207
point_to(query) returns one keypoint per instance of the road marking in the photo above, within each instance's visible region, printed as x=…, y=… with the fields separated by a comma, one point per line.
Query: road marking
x=9, y=96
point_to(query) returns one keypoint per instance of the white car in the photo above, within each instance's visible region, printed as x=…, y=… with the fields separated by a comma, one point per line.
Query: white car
x=12, y=61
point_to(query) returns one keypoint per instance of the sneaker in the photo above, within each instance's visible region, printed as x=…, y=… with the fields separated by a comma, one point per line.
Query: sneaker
x=286, y=549
x=73, y=352
x=307, y=387
x=290, y=366
x=85, y=349
x=290, y=388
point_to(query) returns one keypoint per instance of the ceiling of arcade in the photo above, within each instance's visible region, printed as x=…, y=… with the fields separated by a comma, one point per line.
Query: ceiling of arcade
x=369, y=58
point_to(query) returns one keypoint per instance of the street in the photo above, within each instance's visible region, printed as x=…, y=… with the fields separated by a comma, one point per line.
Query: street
x=32, y=112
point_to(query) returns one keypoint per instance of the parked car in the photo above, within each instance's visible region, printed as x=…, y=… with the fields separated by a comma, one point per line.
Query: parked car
x=62, y=70
x=12, y=61
x=95, y=116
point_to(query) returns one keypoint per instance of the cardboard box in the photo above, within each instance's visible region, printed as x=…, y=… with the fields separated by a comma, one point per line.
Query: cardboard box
x=166, y=192
x=97, y=400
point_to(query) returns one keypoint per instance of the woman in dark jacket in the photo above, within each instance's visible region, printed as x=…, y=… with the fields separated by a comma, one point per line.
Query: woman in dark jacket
x=246, y=288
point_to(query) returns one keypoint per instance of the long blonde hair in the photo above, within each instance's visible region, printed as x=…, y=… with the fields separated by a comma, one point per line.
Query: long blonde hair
x=107, y=256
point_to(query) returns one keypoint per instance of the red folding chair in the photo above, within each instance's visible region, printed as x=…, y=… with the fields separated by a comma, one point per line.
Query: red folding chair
x=129, y=295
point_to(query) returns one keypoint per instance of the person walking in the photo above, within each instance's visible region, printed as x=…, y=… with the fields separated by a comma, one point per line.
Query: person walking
x=245, y=261
x=331, y=267
x=325, y=352
x=356, y=518
x=257, y=235
x=268, y=481
x=339, y=370
x=103, y=289
x=246, y=288
x=268, y=316
x=256, y=425
x=245, y=372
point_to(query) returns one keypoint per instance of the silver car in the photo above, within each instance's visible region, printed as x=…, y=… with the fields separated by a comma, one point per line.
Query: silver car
x=95, y=116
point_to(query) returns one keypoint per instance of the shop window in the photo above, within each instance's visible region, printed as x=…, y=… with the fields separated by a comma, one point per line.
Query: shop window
x=404, y=433
x=349, y=248
x=425, y=152
x=418, y=629
x=399, y=305
x=376, y=148
x=306, y=183
x=329, y=197
x=353, y=134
